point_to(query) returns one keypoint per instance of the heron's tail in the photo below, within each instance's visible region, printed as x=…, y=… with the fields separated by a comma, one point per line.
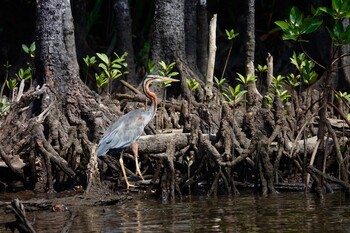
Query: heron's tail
x=102, y=150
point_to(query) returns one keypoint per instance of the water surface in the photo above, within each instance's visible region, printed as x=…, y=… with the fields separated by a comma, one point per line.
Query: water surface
x=286, y=212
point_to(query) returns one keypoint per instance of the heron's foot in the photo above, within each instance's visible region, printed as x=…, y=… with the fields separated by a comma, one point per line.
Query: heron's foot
x=128, y=185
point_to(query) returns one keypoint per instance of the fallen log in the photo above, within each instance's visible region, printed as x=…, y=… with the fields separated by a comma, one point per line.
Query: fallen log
x=154, y=144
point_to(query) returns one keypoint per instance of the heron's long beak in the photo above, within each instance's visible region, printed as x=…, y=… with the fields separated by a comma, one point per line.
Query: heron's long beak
x=163, y=78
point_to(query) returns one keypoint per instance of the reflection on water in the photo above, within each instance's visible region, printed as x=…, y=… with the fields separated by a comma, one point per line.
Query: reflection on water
x=287, y=212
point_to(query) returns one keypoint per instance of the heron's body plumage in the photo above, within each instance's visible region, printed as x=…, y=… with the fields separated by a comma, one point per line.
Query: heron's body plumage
x=124, y=131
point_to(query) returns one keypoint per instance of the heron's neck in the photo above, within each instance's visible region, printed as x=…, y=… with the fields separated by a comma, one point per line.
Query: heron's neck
x=152, y=96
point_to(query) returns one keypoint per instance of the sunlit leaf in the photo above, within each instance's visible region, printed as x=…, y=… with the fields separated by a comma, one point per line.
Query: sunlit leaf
x=103, y=57
x=283, y=25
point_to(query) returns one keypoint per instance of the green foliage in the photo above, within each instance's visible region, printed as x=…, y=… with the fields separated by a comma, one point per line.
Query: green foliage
x=101, y=80
x=293, y=80
x=339, y=35
x=340, y=9
x=220, y=83
x=231, y=34
x=7, y=65
x=305, y=67
x=278, y=82
x=246, y=80
x=341, y=96
x=89, y=61
x=297, y=25
x=111, y=69
x=11, y=83
x=24, y=74
x=233, y=95
x=284, y=95
x=269, y=100
x=166, y=70
x=192, y=84
x=4, y=106
x=29, y=50
x=29, y=72
x=151, y=66
x=261, y=69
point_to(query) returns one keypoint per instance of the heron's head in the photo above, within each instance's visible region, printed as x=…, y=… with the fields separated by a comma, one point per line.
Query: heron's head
x=158, y=78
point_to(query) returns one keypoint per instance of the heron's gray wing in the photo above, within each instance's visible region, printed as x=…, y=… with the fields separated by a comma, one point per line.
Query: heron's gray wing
x=123, y=132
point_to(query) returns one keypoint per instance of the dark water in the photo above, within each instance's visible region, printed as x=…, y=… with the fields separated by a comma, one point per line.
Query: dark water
x=288, y=212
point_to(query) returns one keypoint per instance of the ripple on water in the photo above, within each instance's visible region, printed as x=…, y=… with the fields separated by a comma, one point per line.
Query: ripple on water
x=286, y=212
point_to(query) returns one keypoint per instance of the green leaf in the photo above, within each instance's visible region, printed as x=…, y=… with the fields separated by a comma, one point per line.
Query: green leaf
x=330, y=32
x=172, y=74
x=336, y=5
x=151, y=66
x=295, y=16
x=103, y=57
x=101, y=80
x=310, y=25
x=325, y=10
x=162, y=65
x=216, y=80
x=241, y=79
x=261, y=68
x=25, y=48
x=116, y=66
x=12, y=83
x=192, y=84
x=32, y=47
x=86, y=60
x=345, y=7
x=231, y=34
x=290, y=37
x=103, y=66
x=338, y=29
x=232, y=90
x=227, y=97
x=222, y=81
x=237, y=88
x=251, y=78
x=283, y=25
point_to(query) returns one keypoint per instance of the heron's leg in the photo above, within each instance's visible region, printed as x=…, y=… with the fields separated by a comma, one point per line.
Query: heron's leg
x=135, y=150
x=128, y=185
